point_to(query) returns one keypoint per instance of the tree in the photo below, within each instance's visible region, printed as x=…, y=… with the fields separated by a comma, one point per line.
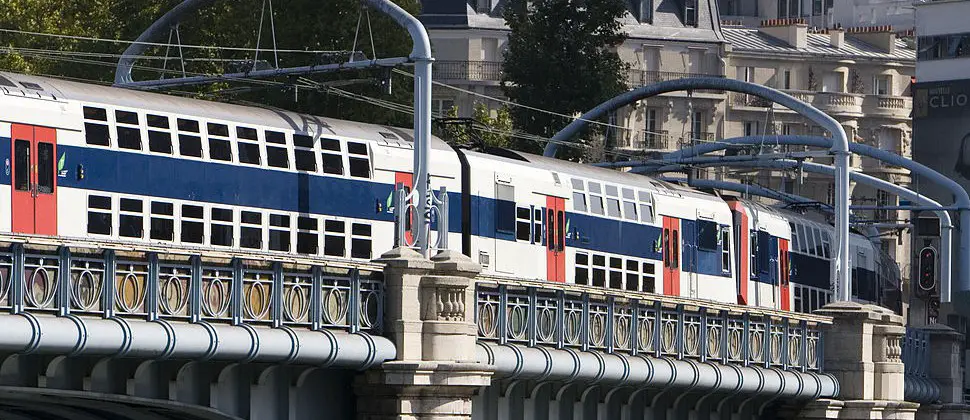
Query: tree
x=561, y=57
x=300, y=25
x=481, y=130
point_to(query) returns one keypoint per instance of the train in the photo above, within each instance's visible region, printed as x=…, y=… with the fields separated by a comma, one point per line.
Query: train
x=123, y=167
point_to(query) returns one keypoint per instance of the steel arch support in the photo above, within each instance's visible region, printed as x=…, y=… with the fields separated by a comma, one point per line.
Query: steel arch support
x=839, y=147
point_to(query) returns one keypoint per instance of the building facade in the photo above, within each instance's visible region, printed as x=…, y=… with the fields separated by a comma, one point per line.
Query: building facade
x=861, y=76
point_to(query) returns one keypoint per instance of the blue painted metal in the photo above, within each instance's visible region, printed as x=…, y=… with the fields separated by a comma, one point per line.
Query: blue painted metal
x=316, y=311
x=108, y=283
x=64, y=281
x=16, y=297
x=195, y=287
x=236, y=299
x=354, y=301
x=151, y=298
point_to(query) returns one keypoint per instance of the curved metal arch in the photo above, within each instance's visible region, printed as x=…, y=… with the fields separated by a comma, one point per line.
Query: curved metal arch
x=420, y=55
x=840, y=148
x=961, y=198
x=946, y=223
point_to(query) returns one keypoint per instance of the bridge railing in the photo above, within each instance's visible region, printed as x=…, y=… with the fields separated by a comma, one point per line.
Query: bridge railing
x=155, y=283
x=567, y=316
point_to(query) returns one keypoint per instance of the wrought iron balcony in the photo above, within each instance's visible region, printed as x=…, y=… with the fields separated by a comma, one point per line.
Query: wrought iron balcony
x=478, y=71
x=656, y=140
x=614, y=321
x=640, y=78
x=694, y=137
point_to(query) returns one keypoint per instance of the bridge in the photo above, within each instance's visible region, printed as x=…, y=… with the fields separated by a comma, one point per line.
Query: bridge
x=93, y=331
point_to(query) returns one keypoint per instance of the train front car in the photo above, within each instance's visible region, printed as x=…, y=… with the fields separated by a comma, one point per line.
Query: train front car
x=591, y=226
x=116, y=166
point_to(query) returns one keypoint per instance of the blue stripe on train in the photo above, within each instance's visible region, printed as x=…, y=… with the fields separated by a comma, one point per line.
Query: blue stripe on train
x=184, y=179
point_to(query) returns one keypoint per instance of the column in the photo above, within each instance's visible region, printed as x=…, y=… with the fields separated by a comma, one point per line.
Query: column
x=430, y=318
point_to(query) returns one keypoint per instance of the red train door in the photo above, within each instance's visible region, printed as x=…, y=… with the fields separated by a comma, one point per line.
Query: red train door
x=407, y=180
x=671, y=256
x=742, y=243
x=783, y=280
x=556, y=239
x=34, y=192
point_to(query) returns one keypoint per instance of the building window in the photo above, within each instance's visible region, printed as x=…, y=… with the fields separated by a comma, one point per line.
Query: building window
x=646, y=11
x=882, y=84
x=786, y=79
x=690, y=12
x=442, y=106
x=751, y=128
x=697, y=126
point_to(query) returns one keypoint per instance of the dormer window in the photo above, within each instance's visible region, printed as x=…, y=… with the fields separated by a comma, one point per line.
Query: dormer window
x=690, y=13
x=642, y=10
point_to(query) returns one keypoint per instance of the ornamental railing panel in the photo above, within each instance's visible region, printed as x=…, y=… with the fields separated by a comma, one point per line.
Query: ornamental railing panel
x=176, y=286
x=592, y=319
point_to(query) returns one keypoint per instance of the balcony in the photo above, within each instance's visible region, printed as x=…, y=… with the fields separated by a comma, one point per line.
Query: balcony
x=696, y=137
x=895, y=107
x=640, y=78
x=657, y=140
x=472, y=71
x=835, y=103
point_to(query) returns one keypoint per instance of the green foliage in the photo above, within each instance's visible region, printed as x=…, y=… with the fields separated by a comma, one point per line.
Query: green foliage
x=300, y=25
x=483, y=129
x=561, y=57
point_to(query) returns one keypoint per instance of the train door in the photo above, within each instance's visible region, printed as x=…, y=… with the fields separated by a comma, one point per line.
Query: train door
x=784, y=288
x=556, y=239
x=34, y=193
x=742, y=252
x=405, y=179
x=671, y=256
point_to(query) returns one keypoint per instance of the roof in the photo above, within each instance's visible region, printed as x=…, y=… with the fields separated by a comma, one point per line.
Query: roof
x=745, y=39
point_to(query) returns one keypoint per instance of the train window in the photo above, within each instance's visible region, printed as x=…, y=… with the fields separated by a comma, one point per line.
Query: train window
x=632, y=282
x=129, y=137
x=220, y=149
x=797, y=297
x=330, y=144
x=505, y=208
x=305, y=161
x=193, y=228
x=159, y=142
x=97, y=114
x=96, y=133
x=649, y=277
x=99, y=215
x=523, y=223
x=579, y=201
x=707, y=235
x=599, y=270
x=246, y=133
x=334, y=239
x=21, y=173
x=277, y=157
x=279, y=232
x=221, y=227
x=726, y=249
x=577, y=184
x=162, y=221
x=537, y=226
x=596, y=204
x=616, y=280
x=220, y=130
x=307, y=235
x=190, y=145
x=803, y=239
x=130, y=218
x=126, y=117
x=248, y=152
x=613, y=207
x=251, y=230
x=816, y=242
x=753, y=250
x=611, y=191
x=594, y=188
x=157, y=121
x=302, y=140
x=275, y=137
x=188, y=126
x=45, y=168
x=630, y=210
x=794, y=236
x=360, y=164
x=764, y=256
x=646, y=207
x=582, y=268
x=825, y=243
x=628, y=194
x=332, y=163
x=360, y=242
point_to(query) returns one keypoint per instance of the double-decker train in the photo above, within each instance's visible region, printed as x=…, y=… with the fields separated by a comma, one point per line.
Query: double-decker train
x=127, y=167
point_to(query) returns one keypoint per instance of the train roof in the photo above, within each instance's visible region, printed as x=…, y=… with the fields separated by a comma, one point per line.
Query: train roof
x=158, y=102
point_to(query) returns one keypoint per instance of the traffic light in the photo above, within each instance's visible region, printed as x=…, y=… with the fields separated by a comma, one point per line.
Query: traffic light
x=927, y=271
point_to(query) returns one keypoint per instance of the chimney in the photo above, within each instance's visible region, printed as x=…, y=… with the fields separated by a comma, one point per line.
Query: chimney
x=836, y=37
x=792, y=31
x=881, y=37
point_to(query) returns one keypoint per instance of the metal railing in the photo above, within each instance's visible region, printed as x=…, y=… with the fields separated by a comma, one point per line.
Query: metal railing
x=487, y=71
x=437, y=214
x=655, y=140
x=638, y=323
x=692, y=138
x=640, y=78
x=149, y=284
